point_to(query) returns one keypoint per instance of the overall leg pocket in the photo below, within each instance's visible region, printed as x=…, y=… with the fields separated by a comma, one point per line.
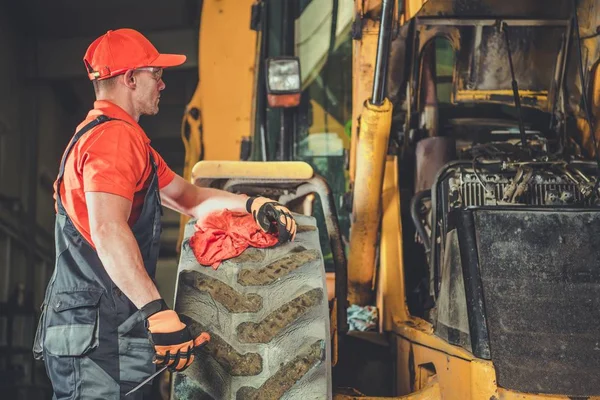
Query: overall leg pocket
x=72, y=322
x=62, y=372
x=38, y=350
x=135, y=350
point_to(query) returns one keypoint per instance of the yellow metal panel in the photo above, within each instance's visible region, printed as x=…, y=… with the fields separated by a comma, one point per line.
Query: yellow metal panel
x=412, y=7
x=449, y=370
x=459, y=375
x=363, y=7
x=452, y=386
x=391, y=299
x=586, y=139
x=363, y=62
x=583, y=128
x=224, y=94
x=596, y=90
x=275, y=170
x=223, y=97
x=419, y=331
x=371, y=154
x=483, y=379
x=458, y=378
x=191, y=145
x=541, y=97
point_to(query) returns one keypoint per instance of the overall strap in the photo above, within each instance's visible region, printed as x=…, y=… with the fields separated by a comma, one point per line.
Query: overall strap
x=97, y=121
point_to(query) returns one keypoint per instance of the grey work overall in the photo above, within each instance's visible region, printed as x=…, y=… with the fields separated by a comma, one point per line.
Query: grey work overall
x=91, y=337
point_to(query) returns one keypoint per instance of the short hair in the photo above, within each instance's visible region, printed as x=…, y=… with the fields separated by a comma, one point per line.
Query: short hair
x=104, y=84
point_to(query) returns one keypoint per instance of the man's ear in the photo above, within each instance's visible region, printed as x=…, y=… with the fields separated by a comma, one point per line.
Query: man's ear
x=129, y=79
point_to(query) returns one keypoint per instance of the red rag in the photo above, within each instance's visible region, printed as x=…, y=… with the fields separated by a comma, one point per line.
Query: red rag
x=226, y=234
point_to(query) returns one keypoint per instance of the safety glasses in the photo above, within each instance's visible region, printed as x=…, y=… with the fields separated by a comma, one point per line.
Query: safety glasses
x=156, y=72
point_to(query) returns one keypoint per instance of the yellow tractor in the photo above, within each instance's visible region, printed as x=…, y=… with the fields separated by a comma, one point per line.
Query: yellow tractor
x=439, y=160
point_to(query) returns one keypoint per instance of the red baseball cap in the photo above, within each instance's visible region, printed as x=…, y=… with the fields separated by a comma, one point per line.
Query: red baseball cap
x=117, y=51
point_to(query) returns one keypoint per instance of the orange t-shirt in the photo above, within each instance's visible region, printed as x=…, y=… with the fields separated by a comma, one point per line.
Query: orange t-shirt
x=113, y=157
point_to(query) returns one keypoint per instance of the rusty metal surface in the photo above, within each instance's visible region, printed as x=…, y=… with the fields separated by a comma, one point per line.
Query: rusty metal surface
x=431, y=155
x=481, y=69
x=496, y=8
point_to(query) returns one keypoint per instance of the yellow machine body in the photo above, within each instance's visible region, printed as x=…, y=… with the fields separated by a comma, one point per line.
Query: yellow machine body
x=426, y=366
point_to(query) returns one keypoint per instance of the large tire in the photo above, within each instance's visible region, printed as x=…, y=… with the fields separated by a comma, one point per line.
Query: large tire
x=268, y=317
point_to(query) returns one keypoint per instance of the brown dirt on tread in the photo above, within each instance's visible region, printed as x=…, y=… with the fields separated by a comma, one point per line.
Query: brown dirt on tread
x=232, y=300
x=285, y=265
x=275, y=322
x=235, y=363
x=305, y=228
x=250, y=255
x=286, y=377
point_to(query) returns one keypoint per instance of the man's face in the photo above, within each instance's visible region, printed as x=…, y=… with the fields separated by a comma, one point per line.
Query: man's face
x=149, y=84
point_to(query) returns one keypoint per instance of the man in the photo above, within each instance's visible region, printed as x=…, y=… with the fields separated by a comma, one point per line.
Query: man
x=105, y=327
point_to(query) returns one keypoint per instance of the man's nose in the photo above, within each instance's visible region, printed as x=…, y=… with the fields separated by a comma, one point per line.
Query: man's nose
x=161, y=85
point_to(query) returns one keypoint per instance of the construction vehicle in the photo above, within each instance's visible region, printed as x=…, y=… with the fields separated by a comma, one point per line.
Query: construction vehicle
x=456, y=189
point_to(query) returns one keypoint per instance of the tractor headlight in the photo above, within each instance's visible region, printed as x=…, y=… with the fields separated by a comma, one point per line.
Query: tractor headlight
x=283, y=81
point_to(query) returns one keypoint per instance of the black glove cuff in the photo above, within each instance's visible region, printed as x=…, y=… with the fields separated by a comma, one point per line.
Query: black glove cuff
x=153, y=307
x=249, y=203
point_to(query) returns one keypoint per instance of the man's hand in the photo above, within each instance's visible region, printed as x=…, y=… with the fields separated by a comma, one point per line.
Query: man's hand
x=272, y=217
x=173, y=343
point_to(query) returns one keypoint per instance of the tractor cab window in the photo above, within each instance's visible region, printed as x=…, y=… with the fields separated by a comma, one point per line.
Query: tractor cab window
x=437, y=72
x=325, y=113
x=436, y=83
x=317, y=130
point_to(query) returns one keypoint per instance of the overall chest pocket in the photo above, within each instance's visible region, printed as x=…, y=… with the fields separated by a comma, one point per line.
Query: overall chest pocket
x=72, y=322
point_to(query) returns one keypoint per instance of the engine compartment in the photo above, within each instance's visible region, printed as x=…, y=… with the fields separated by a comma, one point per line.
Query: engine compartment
x=503, y=174
x=494, y=174
x=510, y=235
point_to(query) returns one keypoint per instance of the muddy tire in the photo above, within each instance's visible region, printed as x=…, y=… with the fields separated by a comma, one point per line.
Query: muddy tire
x=268, y=317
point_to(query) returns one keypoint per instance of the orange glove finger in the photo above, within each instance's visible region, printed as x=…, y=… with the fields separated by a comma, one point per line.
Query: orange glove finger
x=175, y=361
x=292, y=226
x=283, y=235
x=190, y=361
x=201, y=339
x=183, y=363
x=167, y=354
x=284, y=220
x=160, y=359
x=290, y=222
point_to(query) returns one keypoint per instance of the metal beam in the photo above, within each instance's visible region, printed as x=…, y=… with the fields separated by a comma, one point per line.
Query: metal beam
x=436, y=21
x=62, y=58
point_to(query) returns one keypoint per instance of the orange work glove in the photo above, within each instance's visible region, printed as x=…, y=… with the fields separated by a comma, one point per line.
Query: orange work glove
x=272, y=217
x=173, y=343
